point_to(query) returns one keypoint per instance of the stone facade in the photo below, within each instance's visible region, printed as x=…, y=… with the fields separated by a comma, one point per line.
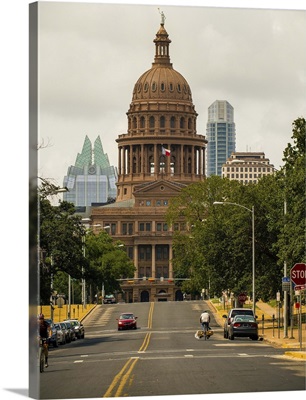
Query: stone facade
x=159, y=155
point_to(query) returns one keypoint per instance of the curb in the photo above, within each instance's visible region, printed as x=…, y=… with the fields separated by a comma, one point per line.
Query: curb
x=88, y=313
x=296, y=354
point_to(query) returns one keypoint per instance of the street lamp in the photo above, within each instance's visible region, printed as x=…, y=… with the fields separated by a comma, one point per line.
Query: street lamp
x=253, y=244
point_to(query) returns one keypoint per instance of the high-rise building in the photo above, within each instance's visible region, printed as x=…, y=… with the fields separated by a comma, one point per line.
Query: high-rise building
x=247, y=167
x=160, y=154
x=91, y=180
x=221, y=136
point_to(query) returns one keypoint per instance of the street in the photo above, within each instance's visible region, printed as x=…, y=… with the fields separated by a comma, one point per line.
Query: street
x=163, y=357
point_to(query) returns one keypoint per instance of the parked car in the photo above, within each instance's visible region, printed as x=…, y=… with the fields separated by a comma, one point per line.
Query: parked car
x=127, y=321
x=109, y=299
x=71, y=333
x=66, y=331
x=243, y=326
x=231, y=314
x=61, y=335
x=78, y=328
x=53, y=339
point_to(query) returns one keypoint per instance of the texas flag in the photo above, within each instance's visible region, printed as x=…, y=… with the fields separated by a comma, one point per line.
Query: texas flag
x=166, y=152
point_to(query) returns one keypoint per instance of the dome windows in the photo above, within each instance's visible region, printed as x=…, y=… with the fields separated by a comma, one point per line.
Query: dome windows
x=146, y=87
x=171, y=87
x=154, y=87
x=179, y=89
x=162, y=87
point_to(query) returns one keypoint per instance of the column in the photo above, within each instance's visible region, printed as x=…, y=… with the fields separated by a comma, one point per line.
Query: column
x=170, y=262
x=136, y=260
x=153, y=261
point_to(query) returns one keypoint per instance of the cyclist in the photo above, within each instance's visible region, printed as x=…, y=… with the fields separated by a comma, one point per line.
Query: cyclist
x=44, y=333
x=205, y=320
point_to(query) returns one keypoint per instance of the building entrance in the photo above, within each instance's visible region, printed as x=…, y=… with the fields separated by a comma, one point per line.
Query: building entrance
x=145, y=296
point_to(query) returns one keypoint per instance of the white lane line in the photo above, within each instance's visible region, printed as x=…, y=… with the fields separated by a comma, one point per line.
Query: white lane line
x=78, y=361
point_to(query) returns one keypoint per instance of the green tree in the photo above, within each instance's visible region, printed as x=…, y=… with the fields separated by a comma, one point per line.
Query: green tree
x=60, y=242
x=108, y=262
x=216, y=249
x=291, y=241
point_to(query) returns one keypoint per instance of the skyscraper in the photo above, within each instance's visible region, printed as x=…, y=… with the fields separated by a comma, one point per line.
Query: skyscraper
x=92, y=179
x=221, y=136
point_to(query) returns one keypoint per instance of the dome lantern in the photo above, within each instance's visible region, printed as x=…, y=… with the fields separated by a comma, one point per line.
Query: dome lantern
x=162, y=42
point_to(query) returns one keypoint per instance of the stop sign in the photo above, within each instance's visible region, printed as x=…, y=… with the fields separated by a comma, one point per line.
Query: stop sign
x=298, y=274
x=242, y=297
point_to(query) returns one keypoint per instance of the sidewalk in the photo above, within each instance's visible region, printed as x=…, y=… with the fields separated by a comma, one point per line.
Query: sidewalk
x=275, y=336
x=293, y=341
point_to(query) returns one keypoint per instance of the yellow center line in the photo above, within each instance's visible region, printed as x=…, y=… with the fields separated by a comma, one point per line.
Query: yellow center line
x=119, y=376
x=150, y=317
x=122, y=377
x=125, y=378
x=145, y=343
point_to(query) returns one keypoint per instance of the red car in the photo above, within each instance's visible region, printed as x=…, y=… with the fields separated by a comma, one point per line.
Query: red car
x=127, y=321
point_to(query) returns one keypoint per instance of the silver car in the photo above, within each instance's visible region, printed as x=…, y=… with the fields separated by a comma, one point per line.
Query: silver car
x=243, y=326
x=61, y=336
x=231, y=314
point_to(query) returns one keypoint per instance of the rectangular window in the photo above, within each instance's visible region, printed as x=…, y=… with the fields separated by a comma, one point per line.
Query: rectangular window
x=131, y=228
x=124, y=229
x=176, y=226
x=113, y=229
x=141, y=226
x=148, y=226
x=130, y=252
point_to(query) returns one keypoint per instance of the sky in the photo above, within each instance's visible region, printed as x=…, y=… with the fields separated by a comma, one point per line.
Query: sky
x=257, y=63
x=91, y=55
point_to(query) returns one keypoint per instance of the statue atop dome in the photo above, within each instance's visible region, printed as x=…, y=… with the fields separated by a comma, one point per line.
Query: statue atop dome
x=162, y=22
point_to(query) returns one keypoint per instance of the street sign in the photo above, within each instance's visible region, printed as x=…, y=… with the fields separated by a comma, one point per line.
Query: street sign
x=242, y=297
x=300, y=287
x=286, y=284
x=298, y=274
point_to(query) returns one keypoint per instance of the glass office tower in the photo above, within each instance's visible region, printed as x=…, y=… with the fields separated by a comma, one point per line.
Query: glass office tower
x=91, y=180
x=221, y=136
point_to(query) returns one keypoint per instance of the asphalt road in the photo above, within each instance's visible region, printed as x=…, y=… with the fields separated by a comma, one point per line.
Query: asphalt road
x=163, y=357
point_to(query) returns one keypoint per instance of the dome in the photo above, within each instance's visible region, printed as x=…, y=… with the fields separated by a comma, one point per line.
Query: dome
x=162, y=81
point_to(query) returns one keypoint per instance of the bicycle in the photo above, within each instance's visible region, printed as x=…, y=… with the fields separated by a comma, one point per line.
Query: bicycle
x=205, y=330
x=42, y=353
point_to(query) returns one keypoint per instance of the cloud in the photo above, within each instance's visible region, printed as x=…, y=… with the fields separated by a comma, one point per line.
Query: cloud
x=91, y=55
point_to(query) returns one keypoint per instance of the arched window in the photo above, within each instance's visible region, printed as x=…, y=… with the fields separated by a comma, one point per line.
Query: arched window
x=142, y=122
x=134, y=123
x=172, y=122
x=152, y=122
x=162, y=121
x=182, y=122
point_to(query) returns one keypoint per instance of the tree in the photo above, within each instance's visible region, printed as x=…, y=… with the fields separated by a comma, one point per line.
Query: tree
x=108, y=261
x=291, y=241
x=216, y=249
